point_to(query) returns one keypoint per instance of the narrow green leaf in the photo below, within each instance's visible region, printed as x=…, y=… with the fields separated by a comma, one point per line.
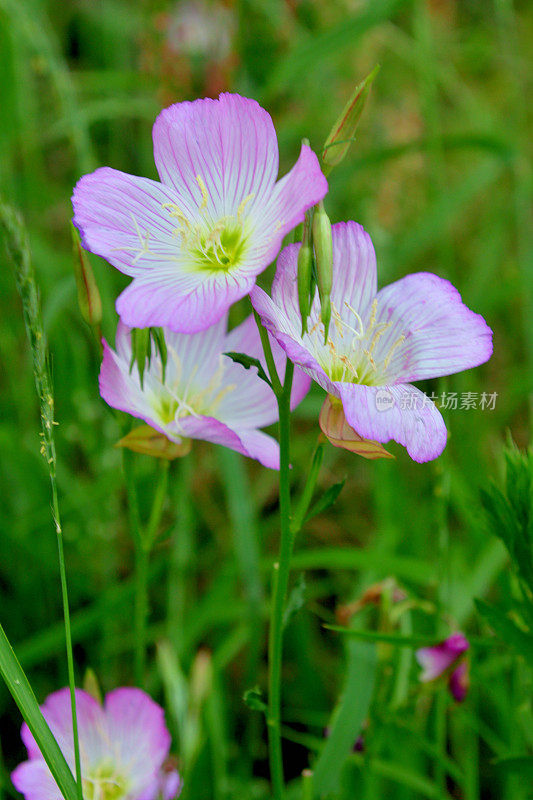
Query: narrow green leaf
x=326, y=501
x=247, y=362
x=296, y=600
x=22, y=693
x=348, y=717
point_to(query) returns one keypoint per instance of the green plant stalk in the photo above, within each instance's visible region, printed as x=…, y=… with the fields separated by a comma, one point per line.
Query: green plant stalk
x=19, y=251
x=142, y=542
x=280, y=586
x=182, y=553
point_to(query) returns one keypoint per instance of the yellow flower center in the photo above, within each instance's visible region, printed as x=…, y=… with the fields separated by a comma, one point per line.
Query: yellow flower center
x=104, y=784
x=181, y=398
x=212, y=245
x=349, y=355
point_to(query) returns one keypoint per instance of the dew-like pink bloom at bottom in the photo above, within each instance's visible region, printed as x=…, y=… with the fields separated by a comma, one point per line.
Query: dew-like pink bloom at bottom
x=439, y=660
x=123, y=747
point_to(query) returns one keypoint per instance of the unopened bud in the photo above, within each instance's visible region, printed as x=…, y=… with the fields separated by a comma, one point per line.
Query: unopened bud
x=91, y=685
x=305, y=272
x=342, y=134
x=89, y=300
x=323, y=244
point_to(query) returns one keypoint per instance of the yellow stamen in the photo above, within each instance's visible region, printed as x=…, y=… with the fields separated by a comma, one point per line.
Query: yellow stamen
x=396, y=344
x=205, y=195
x=243, y=205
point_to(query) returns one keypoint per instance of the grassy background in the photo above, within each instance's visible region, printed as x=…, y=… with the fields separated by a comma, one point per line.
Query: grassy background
x=440, y=178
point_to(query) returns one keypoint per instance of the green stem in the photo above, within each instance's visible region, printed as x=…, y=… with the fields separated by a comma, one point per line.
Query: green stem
x=182, y=553
x=68, y=637
x=269, y=358
x=158, y=504
x=143, y=541
x=141, y=568
x=280, y=586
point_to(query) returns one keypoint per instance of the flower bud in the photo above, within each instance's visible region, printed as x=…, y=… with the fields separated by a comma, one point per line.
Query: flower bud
x=305, y=271
x=341, y=135
x=89, y=300
x=323, y=244
x=334, y=426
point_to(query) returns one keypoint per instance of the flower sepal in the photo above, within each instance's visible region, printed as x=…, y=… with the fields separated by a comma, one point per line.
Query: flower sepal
x=149, y=442
x=334, y=426
x=342, y=133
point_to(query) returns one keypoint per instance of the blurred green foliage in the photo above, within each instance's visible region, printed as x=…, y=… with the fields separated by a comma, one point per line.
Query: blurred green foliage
x=440, y=176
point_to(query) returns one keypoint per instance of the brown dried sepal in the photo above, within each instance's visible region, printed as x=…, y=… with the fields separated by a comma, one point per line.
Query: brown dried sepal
x=149, y=442
x=334, y=426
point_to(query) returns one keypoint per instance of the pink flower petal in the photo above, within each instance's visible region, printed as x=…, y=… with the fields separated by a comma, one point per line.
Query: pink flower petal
x=249, y=442
x=400, y=412
x=138, y=738
x=277, y=321
x=184, y=302
x=34, y=780
x=57, y=712
x=297, y=191
x=459, y=682
x=254, y=404
x=230, y=143
x=121, y=218
x=442, y=335
x=437, y=659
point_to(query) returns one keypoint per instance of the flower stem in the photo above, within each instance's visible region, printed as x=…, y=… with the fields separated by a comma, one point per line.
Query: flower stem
x=142, y=541
x=280, y=586
x=68, y=637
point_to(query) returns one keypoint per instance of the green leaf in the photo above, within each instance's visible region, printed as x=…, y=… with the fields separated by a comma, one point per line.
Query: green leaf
x=253, y=698
x=398, y=639
x=22, y=693
x=296, y=600
x=247, y=362
x=506, y=629
x=326, y=501
x=348, y=717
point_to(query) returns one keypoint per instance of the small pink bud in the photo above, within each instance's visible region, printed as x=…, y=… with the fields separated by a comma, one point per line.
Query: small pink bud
x=446, y=659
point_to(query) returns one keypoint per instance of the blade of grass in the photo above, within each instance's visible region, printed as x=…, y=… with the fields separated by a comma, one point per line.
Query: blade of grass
x=348, y=718
x=24, y=697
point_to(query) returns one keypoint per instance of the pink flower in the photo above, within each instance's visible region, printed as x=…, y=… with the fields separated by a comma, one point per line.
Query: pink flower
x=203, y=394
x=446, y=659
x=195, y=242
x=378, y=342
x=123, y=745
